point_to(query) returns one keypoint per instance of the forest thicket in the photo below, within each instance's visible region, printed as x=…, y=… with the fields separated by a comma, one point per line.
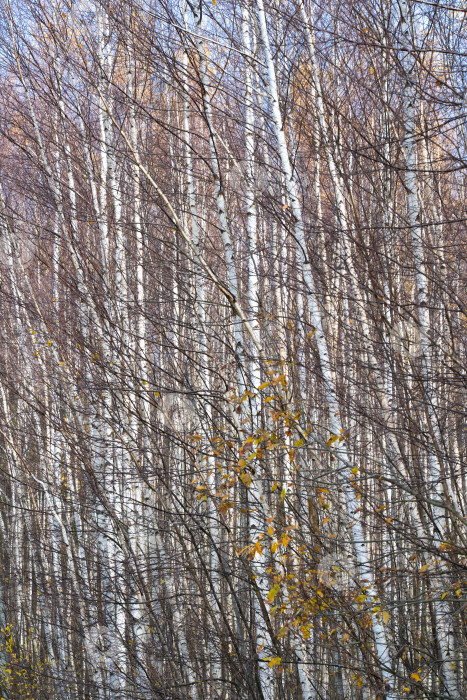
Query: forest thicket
x=233, y=350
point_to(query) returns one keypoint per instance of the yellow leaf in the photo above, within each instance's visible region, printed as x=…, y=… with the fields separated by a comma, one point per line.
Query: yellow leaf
x=275, y=661
x=415, y=677
x=285, y=540
x=273, y=592
x=257, y=550
x=283, y=494
x=270, y=531
x=241, y=462
x=263, y=386
x=282, y=632
x=246, y=478
x=274, y=547
x=299, y=443
x=424, y=568
x=332, y=439
x=386, y=617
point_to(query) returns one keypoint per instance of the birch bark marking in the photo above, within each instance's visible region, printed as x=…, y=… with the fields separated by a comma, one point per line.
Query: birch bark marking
x=250, y=197
x=220, y=196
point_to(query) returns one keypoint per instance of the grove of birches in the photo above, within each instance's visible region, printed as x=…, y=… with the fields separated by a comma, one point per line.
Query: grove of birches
x=233, y=350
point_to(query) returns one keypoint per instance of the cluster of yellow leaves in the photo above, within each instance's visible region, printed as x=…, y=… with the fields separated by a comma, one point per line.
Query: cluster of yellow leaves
x=18, y=674
x=274, y=661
